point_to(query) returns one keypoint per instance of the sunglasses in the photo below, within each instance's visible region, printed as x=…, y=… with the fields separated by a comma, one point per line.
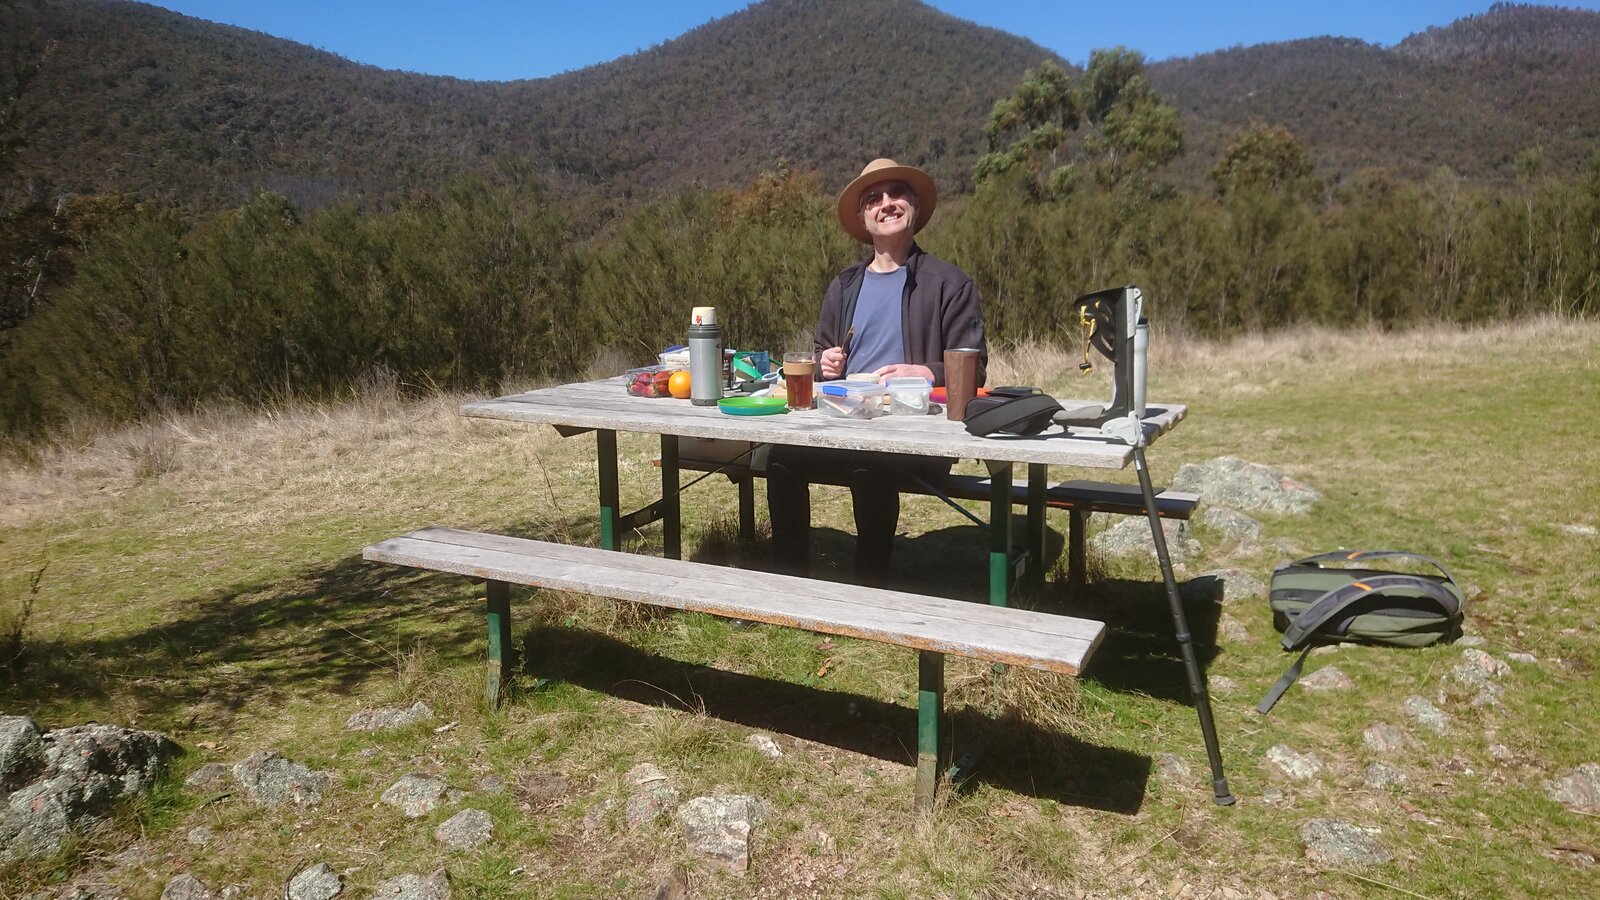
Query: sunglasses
x=894, y=191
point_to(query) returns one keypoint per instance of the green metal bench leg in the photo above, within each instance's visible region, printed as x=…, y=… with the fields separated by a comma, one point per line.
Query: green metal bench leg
x=671, y=521
x=930, y=707
x=610, y=510
x=1077, y=558
x=502, y=655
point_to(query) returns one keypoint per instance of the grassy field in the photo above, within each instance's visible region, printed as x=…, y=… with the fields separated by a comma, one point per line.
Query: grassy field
x=201, y=575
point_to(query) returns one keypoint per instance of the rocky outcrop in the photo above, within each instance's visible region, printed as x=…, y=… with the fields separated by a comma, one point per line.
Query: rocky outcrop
x=1242, y=485
x=65, y=777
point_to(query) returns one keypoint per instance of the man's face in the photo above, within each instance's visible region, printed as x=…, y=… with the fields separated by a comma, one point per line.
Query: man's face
x=888, y=209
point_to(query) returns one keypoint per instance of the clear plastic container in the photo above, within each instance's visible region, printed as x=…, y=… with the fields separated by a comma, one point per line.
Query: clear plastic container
x=649, y=381
x=908, y=396
x=851, y=400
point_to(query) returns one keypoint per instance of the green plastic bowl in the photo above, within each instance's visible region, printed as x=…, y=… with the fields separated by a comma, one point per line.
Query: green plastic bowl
x=753, y=406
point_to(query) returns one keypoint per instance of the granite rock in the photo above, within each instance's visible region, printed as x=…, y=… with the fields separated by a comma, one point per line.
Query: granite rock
x=466, y=830
x=415, y=794
x=187, y=887
x=267, y=778
x=1426, y=714
x=1327, y=678
x=719, y=827
x=1577, y=790
x=386, y=717
x=1291, y=764
x=318, y=882
x=1331, y=842
x=1242, y=485
x=435, y=886
x=85, y=769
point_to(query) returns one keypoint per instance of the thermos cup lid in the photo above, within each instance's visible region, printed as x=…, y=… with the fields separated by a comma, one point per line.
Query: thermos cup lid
x=703, y=315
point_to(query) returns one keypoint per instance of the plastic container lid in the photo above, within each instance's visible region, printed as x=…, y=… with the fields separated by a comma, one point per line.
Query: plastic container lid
x=855, y=390
x=909, y=383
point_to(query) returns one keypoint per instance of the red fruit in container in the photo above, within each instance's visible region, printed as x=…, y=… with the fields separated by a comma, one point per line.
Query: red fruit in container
x=650, y=381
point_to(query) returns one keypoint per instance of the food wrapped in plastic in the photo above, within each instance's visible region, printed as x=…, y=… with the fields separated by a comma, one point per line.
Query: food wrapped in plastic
x=851, y=400
x=649, y=381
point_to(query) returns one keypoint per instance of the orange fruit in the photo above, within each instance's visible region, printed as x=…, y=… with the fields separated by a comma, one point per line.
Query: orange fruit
x=678, y=385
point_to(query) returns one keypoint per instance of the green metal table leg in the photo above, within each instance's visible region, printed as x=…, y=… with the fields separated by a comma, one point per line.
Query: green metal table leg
x=502, y=655
x=671, y=525
x=999, y=533
x=747, y=509
x=606, y=454
x=1077, y=556
x=930, y=708
x=1038, y=474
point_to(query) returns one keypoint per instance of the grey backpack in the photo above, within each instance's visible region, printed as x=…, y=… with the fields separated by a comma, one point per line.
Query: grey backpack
x=1315, y=602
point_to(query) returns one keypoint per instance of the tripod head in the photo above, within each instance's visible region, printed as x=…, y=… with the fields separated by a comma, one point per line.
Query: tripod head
x=1110, y=320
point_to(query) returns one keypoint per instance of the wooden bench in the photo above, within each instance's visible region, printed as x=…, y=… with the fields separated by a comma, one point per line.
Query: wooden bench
x=933, y=626
x=1078, y=497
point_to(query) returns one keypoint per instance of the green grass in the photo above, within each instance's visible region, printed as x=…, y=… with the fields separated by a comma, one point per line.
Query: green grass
x=223, y=601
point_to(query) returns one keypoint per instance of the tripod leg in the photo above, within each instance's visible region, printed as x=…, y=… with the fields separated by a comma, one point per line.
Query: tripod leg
x=1197, y=682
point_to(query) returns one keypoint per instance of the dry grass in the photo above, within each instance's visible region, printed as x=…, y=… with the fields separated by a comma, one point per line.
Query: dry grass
x=202, y=578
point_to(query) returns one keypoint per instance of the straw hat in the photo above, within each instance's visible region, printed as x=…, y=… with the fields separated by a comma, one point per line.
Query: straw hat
x=885, y=170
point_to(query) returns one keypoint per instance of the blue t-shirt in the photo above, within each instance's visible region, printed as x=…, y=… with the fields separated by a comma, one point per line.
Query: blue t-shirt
x=877, y=341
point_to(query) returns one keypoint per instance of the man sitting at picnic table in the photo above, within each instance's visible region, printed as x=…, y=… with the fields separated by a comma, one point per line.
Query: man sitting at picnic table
x=893, y=314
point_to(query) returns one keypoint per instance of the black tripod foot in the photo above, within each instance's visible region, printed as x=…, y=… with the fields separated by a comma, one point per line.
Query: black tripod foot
x=1220, y=793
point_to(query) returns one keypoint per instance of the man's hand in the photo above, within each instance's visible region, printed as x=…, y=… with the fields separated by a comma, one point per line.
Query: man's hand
x=905, y=370
x=832, y=362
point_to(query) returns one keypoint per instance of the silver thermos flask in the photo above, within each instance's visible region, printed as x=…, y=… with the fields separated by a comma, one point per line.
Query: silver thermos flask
x=705, y=357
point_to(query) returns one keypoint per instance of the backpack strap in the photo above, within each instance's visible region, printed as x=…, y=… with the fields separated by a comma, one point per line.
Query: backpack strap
x=1336, y=601
x=1350, y=556
x=1289, y=676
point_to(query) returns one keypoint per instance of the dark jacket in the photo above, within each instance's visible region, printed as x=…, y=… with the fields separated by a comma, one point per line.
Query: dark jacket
x=939, y=311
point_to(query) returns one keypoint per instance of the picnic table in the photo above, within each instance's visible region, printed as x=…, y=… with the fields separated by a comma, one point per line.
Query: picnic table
x=605, y=408
x=932, y=626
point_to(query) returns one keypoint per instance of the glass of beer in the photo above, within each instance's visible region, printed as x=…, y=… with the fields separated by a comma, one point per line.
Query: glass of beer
x=799, y=372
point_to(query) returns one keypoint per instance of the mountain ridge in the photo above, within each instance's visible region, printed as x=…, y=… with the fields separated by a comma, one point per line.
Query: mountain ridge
x=138, y=99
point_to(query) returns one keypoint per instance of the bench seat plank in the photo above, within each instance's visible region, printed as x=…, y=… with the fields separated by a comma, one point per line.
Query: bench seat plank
x=1011, y=636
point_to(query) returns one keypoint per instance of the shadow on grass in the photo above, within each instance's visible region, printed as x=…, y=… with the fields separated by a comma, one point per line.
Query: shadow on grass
x=314, y=633
x=325, y=630
x=1019, y=756
x=1140, y=652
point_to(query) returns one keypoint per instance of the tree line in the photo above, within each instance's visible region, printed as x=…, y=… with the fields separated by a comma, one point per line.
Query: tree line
x=116, y=307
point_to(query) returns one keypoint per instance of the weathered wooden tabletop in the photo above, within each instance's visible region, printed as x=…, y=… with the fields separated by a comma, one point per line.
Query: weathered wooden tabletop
x=606, y=405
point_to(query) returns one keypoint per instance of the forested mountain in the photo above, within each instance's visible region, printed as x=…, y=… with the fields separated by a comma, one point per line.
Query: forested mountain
x=1471, y=96
x=137, y=99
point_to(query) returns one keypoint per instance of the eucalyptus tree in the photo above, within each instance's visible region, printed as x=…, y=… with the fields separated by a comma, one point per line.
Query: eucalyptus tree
x=1123, y=127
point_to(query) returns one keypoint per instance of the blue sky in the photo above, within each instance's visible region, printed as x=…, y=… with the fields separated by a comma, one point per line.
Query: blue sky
x=504, y=39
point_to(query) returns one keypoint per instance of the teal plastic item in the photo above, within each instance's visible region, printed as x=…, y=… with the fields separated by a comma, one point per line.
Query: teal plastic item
x=753, y=406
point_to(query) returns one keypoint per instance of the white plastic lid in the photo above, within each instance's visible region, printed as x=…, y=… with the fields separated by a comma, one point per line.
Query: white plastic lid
x=909, y=383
